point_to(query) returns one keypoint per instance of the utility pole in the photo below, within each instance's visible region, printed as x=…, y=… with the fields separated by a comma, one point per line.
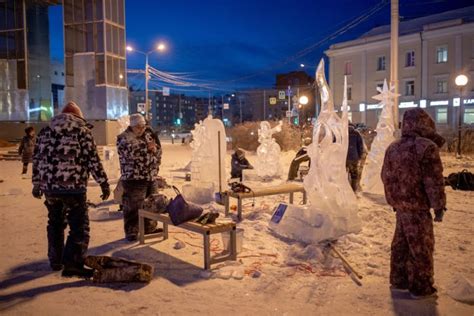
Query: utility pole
x=147, y=107
x=264, y=105
x=240, y=101
x=394, y=57
x=289, y=105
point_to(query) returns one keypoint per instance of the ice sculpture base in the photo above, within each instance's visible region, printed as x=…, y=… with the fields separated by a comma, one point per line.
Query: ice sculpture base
x=309, y=225
x=202, y=194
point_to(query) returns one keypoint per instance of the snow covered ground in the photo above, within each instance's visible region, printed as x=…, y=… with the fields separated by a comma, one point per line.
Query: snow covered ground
x=271, y=276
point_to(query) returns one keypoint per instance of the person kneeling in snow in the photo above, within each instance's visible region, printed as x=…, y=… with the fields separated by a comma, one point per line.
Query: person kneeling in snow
x=64, y=156
x=139, y=153
x=412, y=174
x=239, y=163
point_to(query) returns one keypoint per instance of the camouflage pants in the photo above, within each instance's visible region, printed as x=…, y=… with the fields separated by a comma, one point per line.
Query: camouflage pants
x=411, y=262
x=63, y=210
x=353, y=169
x=134, y=195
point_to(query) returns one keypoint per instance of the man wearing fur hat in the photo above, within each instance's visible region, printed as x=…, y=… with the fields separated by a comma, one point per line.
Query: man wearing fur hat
x=64, y=156
x=140, y=156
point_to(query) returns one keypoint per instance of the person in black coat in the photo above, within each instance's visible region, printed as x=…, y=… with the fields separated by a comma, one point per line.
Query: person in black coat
x=239, y=163
x=26, y=148
x=354, y=155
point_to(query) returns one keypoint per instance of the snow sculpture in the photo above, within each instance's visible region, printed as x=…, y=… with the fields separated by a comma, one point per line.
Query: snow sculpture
x=268, y=153
x=205, y=166
x=371, y=181
x=332, y=208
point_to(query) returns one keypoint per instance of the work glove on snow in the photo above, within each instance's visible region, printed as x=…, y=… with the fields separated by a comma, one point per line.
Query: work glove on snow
x=37, y=193
x=439, y=215
x=105, y=191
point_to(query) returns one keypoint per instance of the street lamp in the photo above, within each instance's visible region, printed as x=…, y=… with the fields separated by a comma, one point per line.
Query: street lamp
x=304, y=100
x=159, y=47
x=461, y=82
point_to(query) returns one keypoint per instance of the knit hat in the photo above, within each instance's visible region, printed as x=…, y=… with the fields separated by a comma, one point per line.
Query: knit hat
x=137, y=119
x=73, y=108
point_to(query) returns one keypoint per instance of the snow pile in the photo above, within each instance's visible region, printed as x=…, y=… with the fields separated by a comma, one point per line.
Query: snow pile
x=461, y=289
x=202, y=194
x=268, y=153
x=371, y=181
x=332, y=209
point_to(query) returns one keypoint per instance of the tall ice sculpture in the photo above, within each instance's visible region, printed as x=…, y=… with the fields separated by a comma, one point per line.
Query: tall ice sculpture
x=332, y=209
x=268, y=153
x=208, y=161
x=371, y=182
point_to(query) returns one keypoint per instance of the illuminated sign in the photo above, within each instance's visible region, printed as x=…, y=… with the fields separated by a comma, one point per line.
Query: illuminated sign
x=410, y=104
x=443, y=102
x=456, y=102
x=468, y=101
x=348, y=108
x=422, y=104
x=362, y=107
x=374, y=106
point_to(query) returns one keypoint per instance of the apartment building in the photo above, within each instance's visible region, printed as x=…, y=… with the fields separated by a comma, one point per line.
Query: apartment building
x=433, y=50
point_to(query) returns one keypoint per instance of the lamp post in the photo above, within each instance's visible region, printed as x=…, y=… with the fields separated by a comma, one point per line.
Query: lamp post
x=461, y=82
x=160, y=47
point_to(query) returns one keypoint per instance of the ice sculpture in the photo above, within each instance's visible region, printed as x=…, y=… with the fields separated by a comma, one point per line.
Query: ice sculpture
x=371, y=181
x=332, y=209
x=206, y=170
x=268, y=153
x=123, y=122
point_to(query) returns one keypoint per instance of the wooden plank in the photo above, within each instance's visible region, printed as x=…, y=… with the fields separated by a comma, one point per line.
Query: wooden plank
x=193, y=226
x=280, y=189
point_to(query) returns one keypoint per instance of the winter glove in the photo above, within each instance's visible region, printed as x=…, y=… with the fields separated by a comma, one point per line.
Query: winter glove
x=37, y=193
x=439, y=215
x=105, y=191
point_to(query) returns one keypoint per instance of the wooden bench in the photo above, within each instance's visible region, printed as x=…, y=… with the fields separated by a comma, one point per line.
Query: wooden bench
x=205, y=230
x=290, y=188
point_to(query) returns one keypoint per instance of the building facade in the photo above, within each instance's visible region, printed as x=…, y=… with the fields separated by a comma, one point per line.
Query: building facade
x=433, y=50
x=95, y=63
x=175, y=111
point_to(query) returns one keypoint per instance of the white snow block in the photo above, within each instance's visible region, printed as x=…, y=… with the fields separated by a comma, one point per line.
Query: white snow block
x=311, y=225
x=202, y=194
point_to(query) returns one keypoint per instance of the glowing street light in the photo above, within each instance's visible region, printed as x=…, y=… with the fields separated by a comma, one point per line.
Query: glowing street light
x=159, y=47
x=302, y=65
x=461, y=81
x=304, y=100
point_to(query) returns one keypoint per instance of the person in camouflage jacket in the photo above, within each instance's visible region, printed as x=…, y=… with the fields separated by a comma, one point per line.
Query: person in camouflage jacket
x=412, y=174
x=64, y=156
x=139, y=152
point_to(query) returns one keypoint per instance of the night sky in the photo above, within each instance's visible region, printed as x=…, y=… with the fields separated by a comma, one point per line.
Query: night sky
x=244, y=43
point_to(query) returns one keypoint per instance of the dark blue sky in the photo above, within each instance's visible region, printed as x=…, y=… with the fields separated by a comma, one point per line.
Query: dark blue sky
x=223, y=41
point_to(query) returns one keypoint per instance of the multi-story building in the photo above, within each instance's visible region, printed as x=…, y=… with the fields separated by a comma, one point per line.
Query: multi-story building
x=95, y=67
x=433, y=50
x=172, y=111
x=57, y=84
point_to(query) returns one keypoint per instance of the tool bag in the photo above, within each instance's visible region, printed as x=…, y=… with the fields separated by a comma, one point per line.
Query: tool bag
x=463, y=180
x=181, y=211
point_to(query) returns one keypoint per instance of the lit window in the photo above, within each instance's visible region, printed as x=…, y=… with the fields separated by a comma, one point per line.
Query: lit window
x=469, y=116
x=442, y=115
x=348, y=68
x=410, y=59
x=381, y=63
x=409, y=87
x=441, y=55
x=442, y=86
